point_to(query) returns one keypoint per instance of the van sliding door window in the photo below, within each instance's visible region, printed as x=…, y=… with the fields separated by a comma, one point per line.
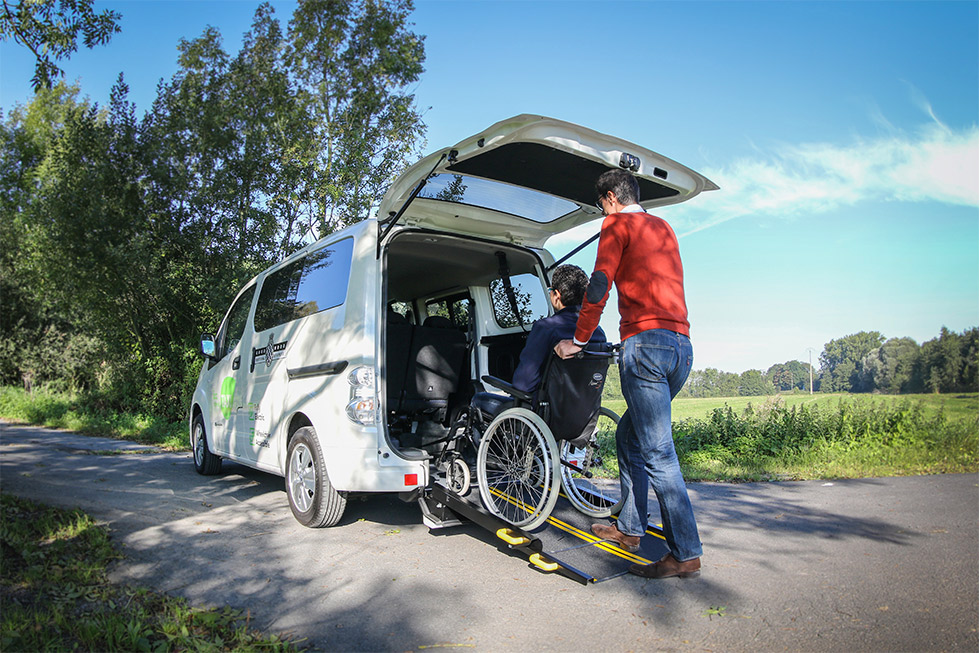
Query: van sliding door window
x=314, y=283
x=531, y=301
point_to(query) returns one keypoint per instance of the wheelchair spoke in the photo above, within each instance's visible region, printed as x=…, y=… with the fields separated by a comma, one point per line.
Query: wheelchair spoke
x=515, y=469
x=600, y=494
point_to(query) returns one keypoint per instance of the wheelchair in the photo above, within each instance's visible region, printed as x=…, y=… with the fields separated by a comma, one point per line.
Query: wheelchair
x=525, y=448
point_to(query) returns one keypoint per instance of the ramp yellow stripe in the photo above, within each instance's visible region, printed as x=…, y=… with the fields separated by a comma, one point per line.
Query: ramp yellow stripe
x=579, y=533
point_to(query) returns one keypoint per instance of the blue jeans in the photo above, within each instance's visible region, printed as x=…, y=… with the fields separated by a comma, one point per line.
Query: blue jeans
x=653, y=367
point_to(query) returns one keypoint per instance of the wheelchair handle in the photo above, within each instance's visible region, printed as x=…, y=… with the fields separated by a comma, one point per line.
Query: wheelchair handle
x=613, y=352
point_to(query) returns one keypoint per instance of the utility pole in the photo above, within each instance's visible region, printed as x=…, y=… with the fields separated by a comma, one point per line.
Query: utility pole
x=810, y=353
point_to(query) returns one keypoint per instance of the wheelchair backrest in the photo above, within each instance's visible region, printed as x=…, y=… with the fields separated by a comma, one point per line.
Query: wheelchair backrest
x=570, y=395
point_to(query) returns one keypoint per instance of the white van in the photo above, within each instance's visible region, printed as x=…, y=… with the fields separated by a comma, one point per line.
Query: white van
x=337, y=367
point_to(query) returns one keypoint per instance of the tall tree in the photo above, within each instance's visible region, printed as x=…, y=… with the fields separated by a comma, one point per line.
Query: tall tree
x=889, y=368
x=752, y=383
x=37, y=342
x=789, y=375
x=50, y=28
x=354, y=61
x=841, y=359
x=949, y=363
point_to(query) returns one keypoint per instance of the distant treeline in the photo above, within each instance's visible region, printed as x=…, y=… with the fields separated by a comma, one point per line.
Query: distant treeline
x=862, y=362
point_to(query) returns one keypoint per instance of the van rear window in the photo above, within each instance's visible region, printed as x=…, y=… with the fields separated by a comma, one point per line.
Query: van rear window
x=314, y=283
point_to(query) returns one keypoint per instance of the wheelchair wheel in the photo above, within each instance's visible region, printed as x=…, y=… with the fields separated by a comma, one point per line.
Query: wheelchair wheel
x=458, y=475
x=599, y=495
x=516, y=468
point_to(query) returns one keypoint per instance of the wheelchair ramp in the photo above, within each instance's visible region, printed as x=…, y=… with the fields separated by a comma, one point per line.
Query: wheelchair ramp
x=564, y=544
x=567, y=541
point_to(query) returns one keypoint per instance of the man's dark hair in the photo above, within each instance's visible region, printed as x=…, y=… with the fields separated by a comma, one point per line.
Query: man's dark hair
x=623, y=185
x=571, y=281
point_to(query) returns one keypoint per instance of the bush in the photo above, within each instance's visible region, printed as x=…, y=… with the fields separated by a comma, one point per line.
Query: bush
x=867, y=438
x=84, y=413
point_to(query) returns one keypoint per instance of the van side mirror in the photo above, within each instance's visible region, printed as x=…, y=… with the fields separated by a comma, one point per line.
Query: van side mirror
x=208, y=348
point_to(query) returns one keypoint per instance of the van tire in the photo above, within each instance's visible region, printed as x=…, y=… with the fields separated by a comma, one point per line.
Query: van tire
x=312, y=498
x=205, y=462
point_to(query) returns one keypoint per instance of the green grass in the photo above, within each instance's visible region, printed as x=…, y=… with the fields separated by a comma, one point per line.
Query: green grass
x=956, y=405
x=78, y=412
x=824, y=436
x=56, y=596
x=791, y=436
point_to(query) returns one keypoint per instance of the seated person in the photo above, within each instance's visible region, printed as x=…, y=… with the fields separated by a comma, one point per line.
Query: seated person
x=568, y=286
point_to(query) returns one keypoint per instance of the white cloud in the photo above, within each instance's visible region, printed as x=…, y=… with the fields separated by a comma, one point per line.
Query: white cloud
x=934, y=164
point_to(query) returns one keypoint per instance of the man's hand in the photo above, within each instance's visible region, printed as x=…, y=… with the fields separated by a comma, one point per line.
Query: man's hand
x=567, y=348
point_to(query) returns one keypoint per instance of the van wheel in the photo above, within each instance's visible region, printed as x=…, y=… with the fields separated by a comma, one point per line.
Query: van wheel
x=313, y=500
x=205, y=462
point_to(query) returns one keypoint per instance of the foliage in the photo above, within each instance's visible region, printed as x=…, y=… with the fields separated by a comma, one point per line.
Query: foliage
x=352, y=61
x=857, y=364
x=127, y=237
x=841, y=357
x=56, y=594
x=791, y=375
x=50, y=28
x=853, y=439
x=711, y=383
x=89, y=413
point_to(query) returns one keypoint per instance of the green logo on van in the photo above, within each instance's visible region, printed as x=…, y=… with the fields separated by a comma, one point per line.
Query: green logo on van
x=227, y=396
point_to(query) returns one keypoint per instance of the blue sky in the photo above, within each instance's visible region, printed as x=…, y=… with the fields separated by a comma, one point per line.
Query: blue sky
x=843, y=134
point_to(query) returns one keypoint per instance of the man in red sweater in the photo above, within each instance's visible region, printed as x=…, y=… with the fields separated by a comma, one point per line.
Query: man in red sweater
x=639, y=253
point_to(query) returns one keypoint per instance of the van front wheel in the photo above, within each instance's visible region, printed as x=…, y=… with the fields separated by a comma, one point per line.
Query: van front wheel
x=314, y=501
x=205, y=462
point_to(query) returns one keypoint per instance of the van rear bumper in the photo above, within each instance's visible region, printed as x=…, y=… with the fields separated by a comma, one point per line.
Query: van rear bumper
x=367, y=470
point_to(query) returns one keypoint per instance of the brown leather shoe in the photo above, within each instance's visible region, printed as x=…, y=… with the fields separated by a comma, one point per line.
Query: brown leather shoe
x=629, y=543
x=668, y=567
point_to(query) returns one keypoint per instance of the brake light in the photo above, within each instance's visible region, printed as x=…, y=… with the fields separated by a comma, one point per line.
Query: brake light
x=363, y=405
x=411, y=480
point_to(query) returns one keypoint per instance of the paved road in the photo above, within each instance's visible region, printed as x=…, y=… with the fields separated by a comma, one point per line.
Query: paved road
x=866, y=565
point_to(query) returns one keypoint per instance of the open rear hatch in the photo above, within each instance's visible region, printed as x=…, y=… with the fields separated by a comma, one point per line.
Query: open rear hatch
x=526, y=179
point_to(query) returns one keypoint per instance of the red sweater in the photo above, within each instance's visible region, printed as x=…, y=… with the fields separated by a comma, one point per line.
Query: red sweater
x=639, y=253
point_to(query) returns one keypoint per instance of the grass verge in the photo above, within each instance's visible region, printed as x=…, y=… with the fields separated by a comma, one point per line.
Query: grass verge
x=842, y=436
x=74, y=412
x=55, y=595
x=781, y=437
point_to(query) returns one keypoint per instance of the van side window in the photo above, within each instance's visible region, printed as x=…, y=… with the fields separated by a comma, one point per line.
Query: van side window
x=404, y=309
x=456, y=308
x=230, y=333
x=314, y=283
x=531, y=301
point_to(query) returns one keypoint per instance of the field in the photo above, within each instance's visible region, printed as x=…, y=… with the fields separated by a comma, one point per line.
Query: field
x=956, y=406
x=791, y=436
x=802, y=436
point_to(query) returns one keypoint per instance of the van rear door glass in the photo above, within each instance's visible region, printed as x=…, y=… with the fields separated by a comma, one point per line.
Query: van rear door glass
x=531, y=301
x=314, y=283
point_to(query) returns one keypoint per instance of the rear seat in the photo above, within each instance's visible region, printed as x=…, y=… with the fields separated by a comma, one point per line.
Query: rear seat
x=424, y=366
x=397, y=351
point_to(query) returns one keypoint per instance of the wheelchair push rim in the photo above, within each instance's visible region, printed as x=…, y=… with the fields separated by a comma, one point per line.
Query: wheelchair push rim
x=516, y=468
x=601, y=495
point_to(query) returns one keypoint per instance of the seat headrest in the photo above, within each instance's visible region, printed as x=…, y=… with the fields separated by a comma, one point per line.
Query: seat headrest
x=438, y=322
x=396, y=318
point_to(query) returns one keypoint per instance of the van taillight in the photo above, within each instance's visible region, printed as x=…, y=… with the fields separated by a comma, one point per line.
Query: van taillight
x=363, y=405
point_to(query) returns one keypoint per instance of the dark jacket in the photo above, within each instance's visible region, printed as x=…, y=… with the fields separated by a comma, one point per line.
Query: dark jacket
x=545, y=334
